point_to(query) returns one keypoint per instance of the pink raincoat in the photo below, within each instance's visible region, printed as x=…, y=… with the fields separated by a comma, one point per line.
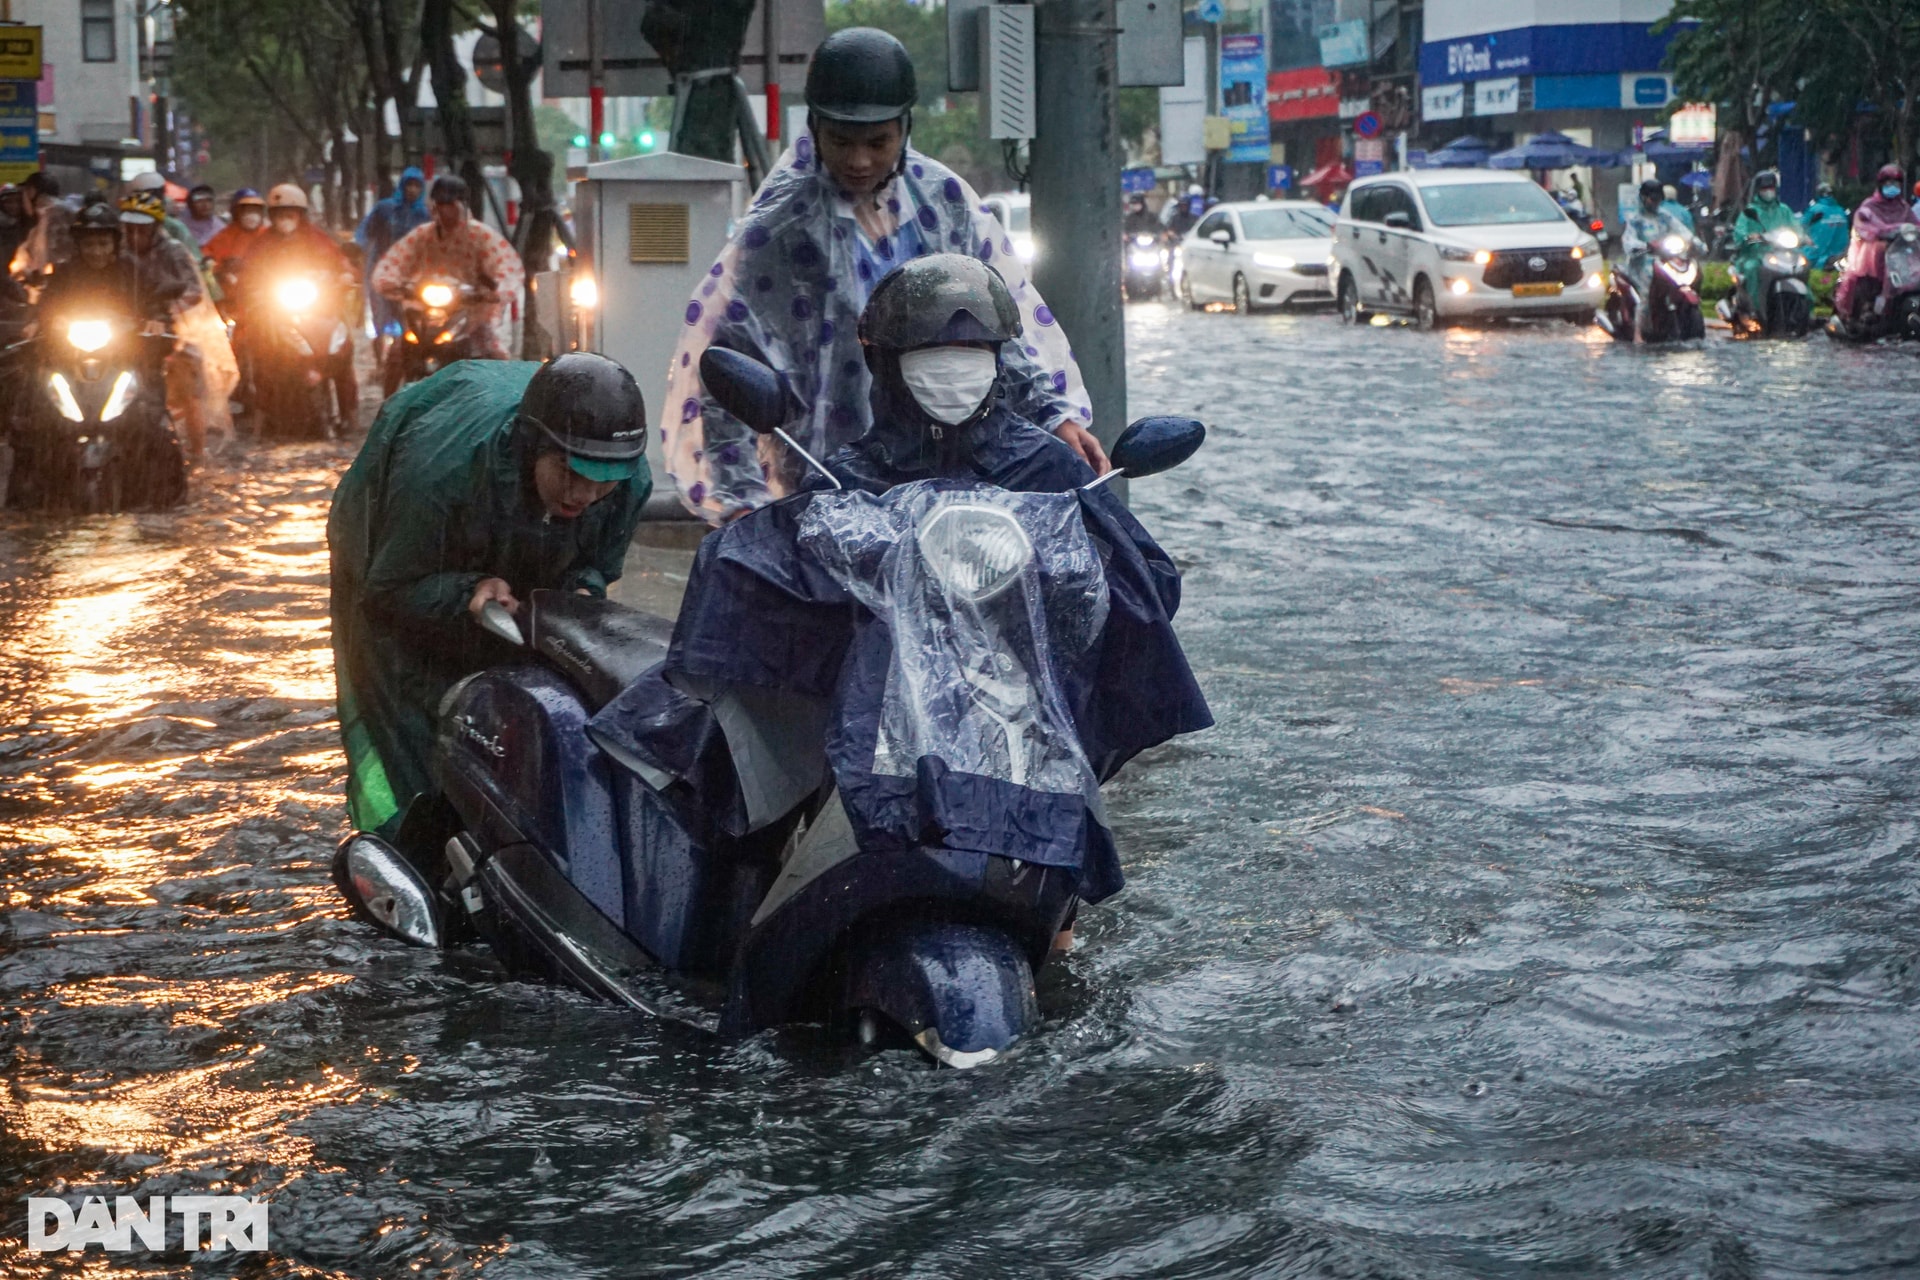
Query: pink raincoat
x=1867, y=255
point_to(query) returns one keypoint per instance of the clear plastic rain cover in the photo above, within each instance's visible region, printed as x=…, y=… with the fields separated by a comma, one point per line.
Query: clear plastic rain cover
x=984, y=592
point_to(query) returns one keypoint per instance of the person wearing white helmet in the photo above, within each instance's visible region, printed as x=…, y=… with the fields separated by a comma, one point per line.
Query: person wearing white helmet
x=293, y=246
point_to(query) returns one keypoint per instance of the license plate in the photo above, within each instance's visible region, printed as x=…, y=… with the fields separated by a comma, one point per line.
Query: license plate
x=1549, y=290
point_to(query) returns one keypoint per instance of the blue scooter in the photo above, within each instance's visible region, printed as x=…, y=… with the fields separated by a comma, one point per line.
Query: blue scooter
x=884, y=835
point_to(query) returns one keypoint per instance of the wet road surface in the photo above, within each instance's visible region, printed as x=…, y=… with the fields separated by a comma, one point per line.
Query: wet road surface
x=1544, y=902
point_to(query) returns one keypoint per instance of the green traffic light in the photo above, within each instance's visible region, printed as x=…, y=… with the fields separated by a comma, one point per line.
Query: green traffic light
x=606, y=139
x=646, y=140
x=579, y=139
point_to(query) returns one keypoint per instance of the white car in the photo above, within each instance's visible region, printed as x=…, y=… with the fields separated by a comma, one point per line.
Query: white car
x=1257, y=253
x=1454, y=244
x=1014, y=209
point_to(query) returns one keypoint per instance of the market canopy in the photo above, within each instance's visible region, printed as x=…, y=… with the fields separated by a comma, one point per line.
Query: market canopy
x=1470, y=152
x=1329, y=175
x=1550, y=151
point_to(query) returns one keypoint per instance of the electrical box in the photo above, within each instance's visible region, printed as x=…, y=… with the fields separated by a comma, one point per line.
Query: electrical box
x=1006, y=70
x=1149, y=52
x=648, y=229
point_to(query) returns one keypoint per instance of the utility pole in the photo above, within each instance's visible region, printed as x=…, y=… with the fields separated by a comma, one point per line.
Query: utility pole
x=1075, y=172
x=596, y=83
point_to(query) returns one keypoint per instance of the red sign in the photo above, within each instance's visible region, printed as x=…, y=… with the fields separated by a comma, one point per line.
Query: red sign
x=1304, y=93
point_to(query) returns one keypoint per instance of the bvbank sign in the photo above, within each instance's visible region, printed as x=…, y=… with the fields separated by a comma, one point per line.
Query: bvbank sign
x=1504, y=53
x=223, y=1222
x=1560, y=49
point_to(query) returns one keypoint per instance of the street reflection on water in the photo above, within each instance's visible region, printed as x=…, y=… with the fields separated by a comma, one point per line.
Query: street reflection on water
x=1544, y=900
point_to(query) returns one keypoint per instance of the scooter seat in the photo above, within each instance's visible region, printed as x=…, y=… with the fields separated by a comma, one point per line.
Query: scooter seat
x=600, y=646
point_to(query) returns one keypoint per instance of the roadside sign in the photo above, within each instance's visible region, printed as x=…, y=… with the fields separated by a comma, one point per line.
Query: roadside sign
x=1279, y=177
x=1367, y=168
x=19, y=129
x=19, y=53
x=1367, y=124
x=490, y=68
x=1136, y=182
x=1211, y=10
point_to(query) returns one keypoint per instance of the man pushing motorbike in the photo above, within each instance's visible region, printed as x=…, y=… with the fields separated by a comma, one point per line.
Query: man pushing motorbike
x=477, y=486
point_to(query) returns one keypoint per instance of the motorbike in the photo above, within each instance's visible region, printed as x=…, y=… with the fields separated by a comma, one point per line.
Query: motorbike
x=436, y=329
x=1146, y=274
x=295, y=353
x=1786, y=296
x=1672, y=304
x=1893, y=308
x=754, y=869
x=89, y=427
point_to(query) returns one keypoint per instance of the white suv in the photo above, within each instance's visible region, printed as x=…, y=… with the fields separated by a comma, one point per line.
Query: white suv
x=1449, y=244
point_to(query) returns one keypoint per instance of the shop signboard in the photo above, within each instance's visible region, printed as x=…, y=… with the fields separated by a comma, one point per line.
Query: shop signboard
x=1243, y=95
x=1693, y=125
x=1443, y=101
x=1344, y=44
x=19, y=130
x=1302, y=93
x=1496, y=97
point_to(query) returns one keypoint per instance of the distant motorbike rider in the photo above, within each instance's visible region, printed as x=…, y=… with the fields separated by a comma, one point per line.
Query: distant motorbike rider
x=1140, y=221
x=479, y=485
x=1671, y=202
x=201, y=218
x=295, y=247
x=99, y=280
x=230, y=245
x=1827, y=227
x=1877, y=220
x=850, y=201
x=48, y=242
x=1182, y=213
x=1642, y=230
x=385, y=224
x=455, y=245
x=167, y=275
x=1765, y=214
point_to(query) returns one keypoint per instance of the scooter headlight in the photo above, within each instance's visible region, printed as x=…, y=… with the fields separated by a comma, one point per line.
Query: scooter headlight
x=1144, y=259
x=1784, y=238
x=63, y=398
x=436, y=295
x=1673, y=246
x=120, y=397
x=1787, y=262
x=89, y=335
x=975, y=551
x=297, y=294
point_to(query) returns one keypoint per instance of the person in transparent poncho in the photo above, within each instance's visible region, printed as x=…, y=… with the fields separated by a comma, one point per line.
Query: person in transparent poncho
x=848, y=203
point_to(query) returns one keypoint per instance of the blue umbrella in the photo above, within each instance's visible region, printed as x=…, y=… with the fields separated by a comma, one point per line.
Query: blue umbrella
x=1698, y=178
x=1462, y=153
x=1550, y=151
x=1657, y=148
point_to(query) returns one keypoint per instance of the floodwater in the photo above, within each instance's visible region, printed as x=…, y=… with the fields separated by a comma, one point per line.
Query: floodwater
x=1543, y=904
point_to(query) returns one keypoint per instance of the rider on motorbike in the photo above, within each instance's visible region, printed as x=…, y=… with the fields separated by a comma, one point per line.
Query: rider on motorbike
x=1184, y=212
x=455, y=245
x=1765, y=214
x=1826, y=221
x=1140, y=221
x=230, y=245
x=99, y=280
x=481, y=484
x=1644, y=228
x=847, y=204
x=1877, y=220
x=293, y=247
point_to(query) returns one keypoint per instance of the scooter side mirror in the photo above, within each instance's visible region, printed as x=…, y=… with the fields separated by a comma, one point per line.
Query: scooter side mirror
x=1153, y=445
x=745, y=388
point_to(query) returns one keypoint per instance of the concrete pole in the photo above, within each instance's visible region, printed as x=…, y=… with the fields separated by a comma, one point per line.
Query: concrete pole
x=1075, y=172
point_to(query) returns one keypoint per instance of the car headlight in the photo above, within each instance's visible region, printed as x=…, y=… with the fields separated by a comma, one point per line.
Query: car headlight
x=89, y=335
x=1784, y=238
x=584, y=292
x=974, y=551
x=1274, y=261
x=63, y=399
x=436, y=295
x=1460, y=253
x=1673, y=246
x=297, y=294
x=120, y=397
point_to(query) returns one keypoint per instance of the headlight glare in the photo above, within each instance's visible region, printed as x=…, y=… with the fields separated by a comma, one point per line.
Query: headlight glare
x=436, y=295
x=89, y=335
x=297, y=294
x=584, y=292
x=120, y=397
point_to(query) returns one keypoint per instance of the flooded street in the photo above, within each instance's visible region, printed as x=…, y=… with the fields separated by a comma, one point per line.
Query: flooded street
x=1543, y=903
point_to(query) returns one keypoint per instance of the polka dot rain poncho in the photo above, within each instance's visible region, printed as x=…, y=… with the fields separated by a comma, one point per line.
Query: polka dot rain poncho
x=788, y=290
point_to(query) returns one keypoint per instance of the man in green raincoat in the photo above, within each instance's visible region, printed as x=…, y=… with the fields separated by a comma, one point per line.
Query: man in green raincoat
x=1764, y=215
x=482, y=484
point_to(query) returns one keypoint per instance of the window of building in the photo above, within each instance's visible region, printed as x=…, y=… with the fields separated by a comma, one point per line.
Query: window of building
x=97, y=30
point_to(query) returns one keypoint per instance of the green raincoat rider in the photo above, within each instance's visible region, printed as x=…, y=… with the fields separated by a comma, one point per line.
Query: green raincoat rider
x=1765, y=214
x=485, y=482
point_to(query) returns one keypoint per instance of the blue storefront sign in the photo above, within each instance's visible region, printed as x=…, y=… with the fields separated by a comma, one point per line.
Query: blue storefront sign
x=1136, y=182
x=1588, y=48
x=19, y=129
x=1243, y=95
x=1344, y=44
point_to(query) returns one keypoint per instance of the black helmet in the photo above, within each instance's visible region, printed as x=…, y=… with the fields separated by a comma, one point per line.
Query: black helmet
x=590, y=408
x=448, y=189
x=861, y=75
x=943, y=297
x=98, y=216
x=1652, y=187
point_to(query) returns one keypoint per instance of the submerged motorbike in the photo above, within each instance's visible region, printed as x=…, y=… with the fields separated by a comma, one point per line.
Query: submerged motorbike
x=1786, y=298
x=296, y=353
x=1891, y=308
x=89, y=427
x=1147, y=260
x=758, y=861
x=1671, y=310
x=436, y=329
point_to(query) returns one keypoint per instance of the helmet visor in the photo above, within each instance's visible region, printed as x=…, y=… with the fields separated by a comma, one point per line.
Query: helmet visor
x=604, y=469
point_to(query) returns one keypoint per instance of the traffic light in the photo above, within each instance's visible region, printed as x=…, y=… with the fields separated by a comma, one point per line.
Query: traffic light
x=579, y=139
x=606, y=140
x=645, y=140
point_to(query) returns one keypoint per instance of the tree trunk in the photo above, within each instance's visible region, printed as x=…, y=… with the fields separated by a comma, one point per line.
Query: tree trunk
x=693, y=36
x=531, y=167
x=449, y=80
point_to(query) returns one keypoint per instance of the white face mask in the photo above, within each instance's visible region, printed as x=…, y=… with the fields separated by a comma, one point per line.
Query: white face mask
x=950, y=383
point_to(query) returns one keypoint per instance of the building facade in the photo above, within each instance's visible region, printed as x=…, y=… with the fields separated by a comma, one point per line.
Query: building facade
x=94, y=99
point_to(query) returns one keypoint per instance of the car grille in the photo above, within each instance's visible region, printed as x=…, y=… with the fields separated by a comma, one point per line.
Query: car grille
x=1311, y=269
x=1515, y=266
